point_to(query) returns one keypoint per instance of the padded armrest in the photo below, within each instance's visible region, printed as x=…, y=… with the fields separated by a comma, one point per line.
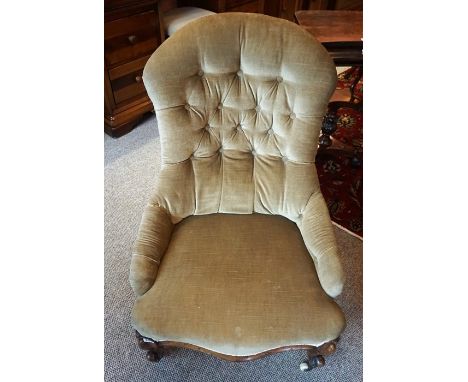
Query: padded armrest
x=151, y=244
x=319, y=238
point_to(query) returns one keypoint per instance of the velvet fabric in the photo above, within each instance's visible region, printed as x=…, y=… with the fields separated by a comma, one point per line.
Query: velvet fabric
x=239, y=297
x=239, y=100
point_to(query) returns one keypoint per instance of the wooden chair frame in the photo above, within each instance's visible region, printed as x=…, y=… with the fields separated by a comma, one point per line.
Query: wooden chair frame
x=315, y=354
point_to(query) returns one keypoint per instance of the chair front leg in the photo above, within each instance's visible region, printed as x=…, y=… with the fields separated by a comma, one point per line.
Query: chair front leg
x=153, y=350
x=315, y=356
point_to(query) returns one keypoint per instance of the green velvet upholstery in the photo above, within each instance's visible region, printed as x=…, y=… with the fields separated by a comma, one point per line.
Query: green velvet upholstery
x=239, y=100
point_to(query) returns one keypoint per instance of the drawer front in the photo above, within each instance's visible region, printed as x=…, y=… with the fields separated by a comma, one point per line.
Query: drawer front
x=126, y=80
x=131, y=37
x=242, y=6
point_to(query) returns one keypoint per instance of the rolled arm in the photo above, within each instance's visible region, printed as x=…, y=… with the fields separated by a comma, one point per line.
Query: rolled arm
x=319, y=237
x=151, y=244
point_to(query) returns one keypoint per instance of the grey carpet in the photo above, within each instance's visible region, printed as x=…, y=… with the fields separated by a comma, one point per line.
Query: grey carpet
x=131, y=163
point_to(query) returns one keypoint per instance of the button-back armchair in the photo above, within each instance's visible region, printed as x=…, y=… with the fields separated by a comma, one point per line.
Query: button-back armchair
x=236, y=254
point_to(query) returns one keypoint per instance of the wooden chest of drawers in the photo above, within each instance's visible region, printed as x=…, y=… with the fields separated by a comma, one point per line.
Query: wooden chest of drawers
x=254, y=6
x=132, y=32
x=219, y=6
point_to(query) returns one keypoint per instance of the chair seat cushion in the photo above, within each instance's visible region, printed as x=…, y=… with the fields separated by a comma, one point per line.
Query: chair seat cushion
x=237, y=285
x=178, y=17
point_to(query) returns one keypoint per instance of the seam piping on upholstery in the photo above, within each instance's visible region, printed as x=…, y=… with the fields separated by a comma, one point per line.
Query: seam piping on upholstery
x=174, y=163
x=169, y=107
x=297, y=162
x=254, y=181
x=222, y=182
x=283, y=196
x=194, y=189
x=149, y=258
x=312, y=115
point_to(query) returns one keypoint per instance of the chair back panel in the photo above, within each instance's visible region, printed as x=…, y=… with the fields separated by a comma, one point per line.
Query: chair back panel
x=239, y=99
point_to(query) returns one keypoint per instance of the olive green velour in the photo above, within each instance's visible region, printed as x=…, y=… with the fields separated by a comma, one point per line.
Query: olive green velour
x=236, y=251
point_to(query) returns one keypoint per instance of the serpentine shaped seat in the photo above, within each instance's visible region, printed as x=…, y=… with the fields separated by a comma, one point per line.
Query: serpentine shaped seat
x=236, y=254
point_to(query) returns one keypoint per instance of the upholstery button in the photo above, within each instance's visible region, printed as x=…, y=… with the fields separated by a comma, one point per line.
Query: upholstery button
x=254, y=152
x=187, y=106
x=258, y=109
x=240, y=73
x=292, y=116
x=220, y=150
x=220, y=106
x=270, y=131
x=200, y=73
x=284, y=159
x=207, y=127
x=279, y=79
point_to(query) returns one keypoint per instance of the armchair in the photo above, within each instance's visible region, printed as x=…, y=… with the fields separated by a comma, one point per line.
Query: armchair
x=236, y=254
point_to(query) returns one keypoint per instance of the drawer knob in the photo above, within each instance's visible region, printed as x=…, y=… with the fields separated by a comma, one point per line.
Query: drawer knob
x=138, y=78
x=132, y=38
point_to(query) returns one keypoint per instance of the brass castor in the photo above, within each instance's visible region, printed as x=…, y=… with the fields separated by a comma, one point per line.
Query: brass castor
x=152, y=356
x=316, y=361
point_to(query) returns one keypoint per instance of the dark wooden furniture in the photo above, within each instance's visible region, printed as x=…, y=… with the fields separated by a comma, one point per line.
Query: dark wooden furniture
x=338, y=5
x=340, y=32
x=315, y=355
x=132, y=32
x=219, y=6
x=285, y=9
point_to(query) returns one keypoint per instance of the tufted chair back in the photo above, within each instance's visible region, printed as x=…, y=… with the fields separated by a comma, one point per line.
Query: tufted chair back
x=239, y=99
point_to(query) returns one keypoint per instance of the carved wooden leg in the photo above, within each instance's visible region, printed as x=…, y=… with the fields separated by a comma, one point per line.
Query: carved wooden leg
x=153, y=351
x=316, y=356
